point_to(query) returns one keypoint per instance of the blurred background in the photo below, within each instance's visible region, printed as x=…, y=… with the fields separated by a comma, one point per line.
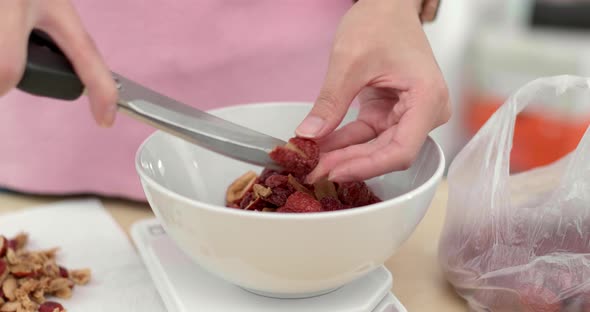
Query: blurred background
x=487, y=49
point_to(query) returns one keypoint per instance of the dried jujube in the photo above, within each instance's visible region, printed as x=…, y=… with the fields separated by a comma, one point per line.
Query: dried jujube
x=538, y=299
x=355, y=193
x=301, y=202
x=331, y=204
x=28, y=277
x=50, y=306
x=299, y=156
x=286, y=190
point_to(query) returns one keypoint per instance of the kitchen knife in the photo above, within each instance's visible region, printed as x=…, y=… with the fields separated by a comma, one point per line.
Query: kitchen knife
x=48, y=73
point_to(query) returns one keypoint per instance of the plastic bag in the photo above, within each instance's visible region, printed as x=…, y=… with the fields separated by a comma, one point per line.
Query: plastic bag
x=521, y=242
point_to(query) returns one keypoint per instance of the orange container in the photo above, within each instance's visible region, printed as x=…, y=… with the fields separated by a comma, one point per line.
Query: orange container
x=539, y=139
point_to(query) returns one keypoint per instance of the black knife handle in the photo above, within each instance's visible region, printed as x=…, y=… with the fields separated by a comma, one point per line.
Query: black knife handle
x=48, y=72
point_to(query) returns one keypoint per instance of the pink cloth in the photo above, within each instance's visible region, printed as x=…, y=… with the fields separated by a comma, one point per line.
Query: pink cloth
x=208, y=53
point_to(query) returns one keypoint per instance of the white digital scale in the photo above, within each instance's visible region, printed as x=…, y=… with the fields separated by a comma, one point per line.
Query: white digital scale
x=184, y=286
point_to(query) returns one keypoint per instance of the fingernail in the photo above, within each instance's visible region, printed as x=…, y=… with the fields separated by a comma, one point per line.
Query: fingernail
x=310, y=179
x=334, y=177
x=310, y=127
x=109, y=116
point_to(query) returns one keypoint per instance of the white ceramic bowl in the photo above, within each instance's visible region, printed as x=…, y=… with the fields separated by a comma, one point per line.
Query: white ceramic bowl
x=283, y=255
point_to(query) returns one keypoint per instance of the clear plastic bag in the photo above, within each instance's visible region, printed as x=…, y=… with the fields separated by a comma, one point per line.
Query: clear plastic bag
x=519, y=242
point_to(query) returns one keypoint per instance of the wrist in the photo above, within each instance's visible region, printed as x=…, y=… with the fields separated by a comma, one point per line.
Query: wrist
x=425, y=9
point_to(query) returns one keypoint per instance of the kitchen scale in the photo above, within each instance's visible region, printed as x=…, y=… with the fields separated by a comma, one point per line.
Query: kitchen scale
x=184, y=286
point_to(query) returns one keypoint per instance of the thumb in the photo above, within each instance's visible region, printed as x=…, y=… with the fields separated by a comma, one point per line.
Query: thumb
x=340, y=88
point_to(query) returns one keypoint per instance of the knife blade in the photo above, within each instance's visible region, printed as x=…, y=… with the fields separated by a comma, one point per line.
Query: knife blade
x=49, y=73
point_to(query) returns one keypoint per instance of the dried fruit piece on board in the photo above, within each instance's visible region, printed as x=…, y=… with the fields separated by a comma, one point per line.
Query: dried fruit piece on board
x=50, y=306
x=28, y=277
x=3, y=245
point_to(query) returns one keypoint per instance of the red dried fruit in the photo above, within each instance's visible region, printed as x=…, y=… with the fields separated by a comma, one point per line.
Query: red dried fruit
x=256, y=204
x=538, y=299
x=272, y=189
x=576, y=240
x=19, y=241
x=3, y=245
x=23, y=274
x=299, y=156
x=355, y=194
x=51, y=306
x=246, y=200
x=496, y=299
x=265, y=174
x=252, y=200
x=12, y=244
x=276, y=180
x=279, y=195
x=3, y=268
x=583, y=303
x=23, y=270
x=63, y=272
x=559, y=277
x=300, y=202
x=480, y=240
x=571, y=240
x=280, y=188
x=330, y=204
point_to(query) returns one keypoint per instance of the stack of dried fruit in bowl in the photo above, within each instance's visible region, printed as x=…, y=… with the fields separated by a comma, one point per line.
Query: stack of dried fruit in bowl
x=286, y=191
x=28, y=277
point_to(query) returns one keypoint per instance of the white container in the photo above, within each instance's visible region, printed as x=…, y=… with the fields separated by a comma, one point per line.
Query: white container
x=281, y=255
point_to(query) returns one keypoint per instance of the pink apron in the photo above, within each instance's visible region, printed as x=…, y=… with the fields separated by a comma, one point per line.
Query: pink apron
x=207, y=53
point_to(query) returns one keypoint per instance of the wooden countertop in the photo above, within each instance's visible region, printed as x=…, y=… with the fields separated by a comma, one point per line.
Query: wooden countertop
x=418, y=281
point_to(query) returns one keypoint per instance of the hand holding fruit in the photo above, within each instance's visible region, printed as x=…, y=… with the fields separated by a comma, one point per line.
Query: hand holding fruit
x=380, y=55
